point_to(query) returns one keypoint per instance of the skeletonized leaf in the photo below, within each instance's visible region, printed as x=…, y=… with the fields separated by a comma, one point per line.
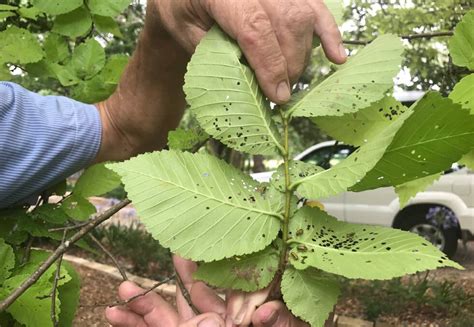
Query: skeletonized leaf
x=438, y=132
x=248, y=273
x=309, y=294
x=409, y=189
x=364, y=79
x=359, y=251
x=355, y=128
x=199, y=206
x=352, y=169
x=225, y=97
x=461, y=44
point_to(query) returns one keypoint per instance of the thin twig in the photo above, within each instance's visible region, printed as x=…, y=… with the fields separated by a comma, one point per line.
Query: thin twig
x=111, y=256
x=405, y=37
x=93, y=223
x=127, y=301
x=26, y=255
x=185, y=293
x=57, y=276
x=68, y=228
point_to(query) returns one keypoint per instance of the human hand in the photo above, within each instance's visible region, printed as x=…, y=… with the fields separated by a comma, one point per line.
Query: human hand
x=275, y=35
x=152, y=310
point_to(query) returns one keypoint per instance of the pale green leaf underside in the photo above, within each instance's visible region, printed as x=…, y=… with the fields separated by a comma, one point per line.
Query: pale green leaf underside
x=360, y=251
x=248, y=273
x=364, y=79
x=297, y=170
x=198, y=206
x=408, y=190
x=309, y=294
x=225, y=98
x=468, y=160
x=355, y=128
x=461, y=44
x=437, y=134
x=463, y=93
x=352, y=169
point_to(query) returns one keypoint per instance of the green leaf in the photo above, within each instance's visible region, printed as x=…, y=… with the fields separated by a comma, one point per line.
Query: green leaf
x=88, y=59
x=297, y=170
x=309, y=294
x=69, y=297
x=7, y=7
x=463, y=93
x=248, y=273
x=438, y=132
x=96, y=180
x=5, y=74
x=106, y=24
x=359, y=251
x=114, y=68
x=29, y=13
x=349, y=171
x=7, y=260
x=6, y=14
x=367, y=123
x=197, y=205
x=409, y=189
x=78, y=208
x=108, y=7
x=93, y=90
x=73, y=24
x=33, y=308
x=225, y=98
x=65, y=74
x=461, y=44
x=19, y=46
x=56, y=48
x=51, y=213
x=181, y=139
x=364, y=79
x=56, y=7
x=468, y=160
x=9, y=226
x=336, y=7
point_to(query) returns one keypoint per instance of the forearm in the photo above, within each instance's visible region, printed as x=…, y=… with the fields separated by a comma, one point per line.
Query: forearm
x=149, y=100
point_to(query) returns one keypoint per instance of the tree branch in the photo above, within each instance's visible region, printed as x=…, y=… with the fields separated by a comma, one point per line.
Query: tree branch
x=405, y=37
x=93, y=223
x=111, y=256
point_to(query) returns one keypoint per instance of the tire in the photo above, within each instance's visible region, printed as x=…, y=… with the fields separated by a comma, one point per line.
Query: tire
x=437, y=224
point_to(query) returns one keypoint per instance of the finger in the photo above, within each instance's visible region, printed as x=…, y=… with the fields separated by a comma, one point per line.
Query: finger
x=122, y=317
x=327, y=30
x=275, y=314
x=152, y=307
x=204, y=298
x=252, y=28
x=241, y=306
x=293, y=22
x=205, y=320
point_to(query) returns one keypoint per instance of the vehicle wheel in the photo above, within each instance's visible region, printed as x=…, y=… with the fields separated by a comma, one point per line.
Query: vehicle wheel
x=437, y=224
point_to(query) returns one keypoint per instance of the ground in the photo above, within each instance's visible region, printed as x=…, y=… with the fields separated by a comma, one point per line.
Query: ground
x=99, y=290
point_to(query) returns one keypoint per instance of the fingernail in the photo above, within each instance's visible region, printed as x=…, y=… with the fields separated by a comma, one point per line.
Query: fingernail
x=283, y=92
x=209, y=322
x=269, y=318
x=240, y=316
x=342, y=50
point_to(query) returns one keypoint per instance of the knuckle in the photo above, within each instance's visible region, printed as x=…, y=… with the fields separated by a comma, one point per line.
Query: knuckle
x=256, y=26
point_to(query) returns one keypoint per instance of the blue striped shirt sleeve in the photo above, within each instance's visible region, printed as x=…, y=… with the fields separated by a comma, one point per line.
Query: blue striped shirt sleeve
x=43, y=139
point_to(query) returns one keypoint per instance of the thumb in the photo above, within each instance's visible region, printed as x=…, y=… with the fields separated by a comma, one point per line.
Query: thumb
x=204, y=320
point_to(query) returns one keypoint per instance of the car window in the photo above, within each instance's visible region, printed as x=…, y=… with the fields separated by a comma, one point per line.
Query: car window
x=330, y=156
